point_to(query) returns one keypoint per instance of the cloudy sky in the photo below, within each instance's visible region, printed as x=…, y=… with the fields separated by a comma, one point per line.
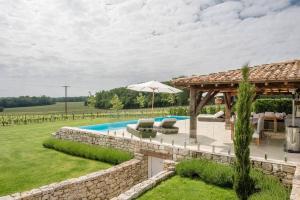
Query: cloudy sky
x=94, y=45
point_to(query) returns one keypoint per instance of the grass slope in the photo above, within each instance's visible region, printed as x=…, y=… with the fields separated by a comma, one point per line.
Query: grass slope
x=180, y=188
x=26, y=164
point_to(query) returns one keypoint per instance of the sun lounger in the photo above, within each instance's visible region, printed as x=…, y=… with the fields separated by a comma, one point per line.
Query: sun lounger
x=166, y=126
x=143, y=128
x=218, y=117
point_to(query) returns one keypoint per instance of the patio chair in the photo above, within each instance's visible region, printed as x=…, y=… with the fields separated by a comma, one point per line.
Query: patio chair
x=143, y=128
x=257, y=135
x=217, y=117
x=166, y=126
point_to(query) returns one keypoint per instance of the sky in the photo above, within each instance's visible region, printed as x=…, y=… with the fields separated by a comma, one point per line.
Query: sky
x=97, y=45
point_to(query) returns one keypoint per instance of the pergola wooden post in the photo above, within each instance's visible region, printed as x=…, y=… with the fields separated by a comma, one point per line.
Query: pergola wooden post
x=228, y=107
x=197, y=102
x=193, y=112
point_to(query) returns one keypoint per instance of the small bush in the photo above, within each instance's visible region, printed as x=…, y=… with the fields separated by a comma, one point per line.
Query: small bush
x=268, y=187
x=108, y=155
x=207, y=171
x=180, y=111
x=212, y=109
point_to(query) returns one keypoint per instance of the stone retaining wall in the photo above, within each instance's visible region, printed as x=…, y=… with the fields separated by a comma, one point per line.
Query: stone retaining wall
x=283, y=170
x=295, y=194
x=104, y=184
x=139, y=189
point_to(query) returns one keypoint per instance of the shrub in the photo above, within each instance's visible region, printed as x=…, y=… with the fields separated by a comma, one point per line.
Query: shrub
x=93, y=152
x=207, y=171
x=181, y=111
x=272, y=105
x=212, y=109
x=1, y=109
x=268, y=187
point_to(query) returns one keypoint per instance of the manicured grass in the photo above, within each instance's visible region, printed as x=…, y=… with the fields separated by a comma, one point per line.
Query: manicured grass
x=268, y=187
x=181, y=188
x=26, y=164
x=94, y=152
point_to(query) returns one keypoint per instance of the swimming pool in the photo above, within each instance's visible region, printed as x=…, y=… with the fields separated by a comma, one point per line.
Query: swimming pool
x=123, y=124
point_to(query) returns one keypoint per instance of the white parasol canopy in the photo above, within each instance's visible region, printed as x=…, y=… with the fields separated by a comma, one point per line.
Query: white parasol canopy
x=154, y=87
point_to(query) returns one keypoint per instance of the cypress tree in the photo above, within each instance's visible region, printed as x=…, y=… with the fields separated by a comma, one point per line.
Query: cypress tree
x=243, y=184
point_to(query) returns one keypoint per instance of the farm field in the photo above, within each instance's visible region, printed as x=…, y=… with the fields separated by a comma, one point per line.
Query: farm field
x=77, y=111
x=73, y=107
x=26, y=164
x=55, y=108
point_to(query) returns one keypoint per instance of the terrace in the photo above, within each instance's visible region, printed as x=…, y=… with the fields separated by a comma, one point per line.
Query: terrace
x=269, y=79
x=213, y=137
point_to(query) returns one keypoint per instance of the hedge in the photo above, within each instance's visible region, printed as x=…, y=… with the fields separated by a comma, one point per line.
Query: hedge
x=268, y=187
x=209, y=109
x=108, y=155
x=272, y=105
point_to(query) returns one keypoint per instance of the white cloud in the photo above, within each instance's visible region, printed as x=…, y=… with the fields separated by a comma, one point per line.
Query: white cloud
x=95, y=45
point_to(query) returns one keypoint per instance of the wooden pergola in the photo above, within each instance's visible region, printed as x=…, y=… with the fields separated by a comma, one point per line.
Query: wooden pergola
x=274, y=78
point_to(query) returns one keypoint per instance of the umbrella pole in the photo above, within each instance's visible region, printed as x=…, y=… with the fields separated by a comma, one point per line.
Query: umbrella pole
x=152, y=99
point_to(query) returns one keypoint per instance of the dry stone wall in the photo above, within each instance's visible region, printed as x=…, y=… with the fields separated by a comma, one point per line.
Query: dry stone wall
x=102, y=185
x=284, y=171
x=139, y=189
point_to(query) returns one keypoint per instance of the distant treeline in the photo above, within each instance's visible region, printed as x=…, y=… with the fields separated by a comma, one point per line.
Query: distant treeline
x=129, y=98
x=25, y=101
x=70, y=99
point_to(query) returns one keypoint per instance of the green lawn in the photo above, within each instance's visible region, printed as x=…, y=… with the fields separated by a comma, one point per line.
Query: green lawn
x=179, y=188
x=26, y=164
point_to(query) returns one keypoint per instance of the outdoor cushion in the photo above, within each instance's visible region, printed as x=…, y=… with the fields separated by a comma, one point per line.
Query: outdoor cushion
x=269, y=114
x=166, y=123
x=145, y=123
x=279, y=115
x=218, y=114
x=210, y=118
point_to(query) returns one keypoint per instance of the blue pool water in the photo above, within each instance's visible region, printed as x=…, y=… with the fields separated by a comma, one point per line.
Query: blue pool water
x=123, y=124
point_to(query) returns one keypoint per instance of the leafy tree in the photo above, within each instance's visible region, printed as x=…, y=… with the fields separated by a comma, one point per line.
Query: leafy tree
x=170, y=99
x=129, y=98
x=116, y=103
x=91, y=101
x=141, y=100
x=243, y=184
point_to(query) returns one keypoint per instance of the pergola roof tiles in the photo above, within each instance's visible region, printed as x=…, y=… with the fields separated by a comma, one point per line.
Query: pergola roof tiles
x=288, y=71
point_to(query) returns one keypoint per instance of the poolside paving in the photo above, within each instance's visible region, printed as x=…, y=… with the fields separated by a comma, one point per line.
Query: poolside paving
x=212, y=136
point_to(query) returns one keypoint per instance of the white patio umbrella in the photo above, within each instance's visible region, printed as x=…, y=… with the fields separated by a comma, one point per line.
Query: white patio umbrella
x=154, y=87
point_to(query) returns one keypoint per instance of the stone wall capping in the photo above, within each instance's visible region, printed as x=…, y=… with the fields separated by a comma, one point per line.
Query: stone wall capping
x=8, y=197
